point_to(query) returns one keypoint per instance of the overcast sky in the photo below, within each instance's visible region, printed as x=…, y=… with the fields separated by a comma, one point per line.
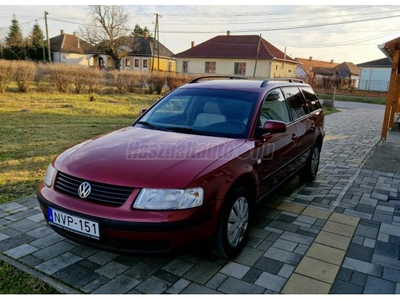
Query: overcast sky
x=340, y=32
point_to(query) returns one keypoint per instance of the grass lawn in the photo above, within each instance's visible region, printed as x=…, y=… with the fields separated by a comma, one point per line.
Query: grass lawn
x=381, y=101
x=36, y=127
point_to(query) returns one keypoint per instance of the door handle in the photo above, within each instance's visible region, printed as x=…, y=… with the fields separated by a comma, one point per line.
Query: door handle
x=294, y=137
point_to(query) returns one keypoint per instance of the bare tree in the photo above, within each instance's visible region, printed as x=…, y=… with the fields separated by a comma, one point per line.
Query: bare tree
x=107, y=30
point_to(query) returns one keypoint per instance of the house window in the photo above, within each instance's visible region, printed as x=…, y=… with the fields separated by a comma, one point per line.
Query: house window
x=240, y=69
x=185, y=66
x=127, y=62
x=276, y=67
x=145, y=63
x=210, y=67
x=136, y=63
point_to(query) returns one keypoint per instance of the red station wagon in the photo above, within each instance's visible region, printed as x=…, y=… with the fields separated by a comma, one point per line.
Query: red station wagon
x=190, y=168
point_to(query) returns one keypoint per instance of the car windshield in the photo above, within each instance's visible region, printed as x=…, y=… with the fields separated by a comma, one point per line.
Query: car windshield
x=215, y=112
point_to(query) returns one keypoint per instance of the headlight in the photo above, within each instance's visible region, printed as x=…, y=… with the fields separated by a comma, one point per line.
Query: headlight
x=169, y=199
x=50, y=174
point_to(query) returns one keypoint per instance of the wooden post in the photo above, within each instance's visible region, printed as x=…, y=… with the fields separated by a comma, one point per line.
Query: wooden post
x=392, y=93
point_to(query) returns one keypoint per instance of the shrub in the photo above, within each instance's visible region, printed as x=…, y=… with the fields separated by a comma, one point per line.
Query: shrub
x=135, y=81
x=25, y=74
x=60, y=77
x=7, y=74
x=79, y=77
x=118, y=79
x=176, y=80
x=93, y=97
x=156, y=82
x=42, y=78
x=94, y=80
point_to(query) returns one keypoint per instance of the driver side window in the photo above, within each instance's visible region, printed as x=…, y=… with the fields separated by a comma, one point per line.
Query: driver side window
x=274, y=108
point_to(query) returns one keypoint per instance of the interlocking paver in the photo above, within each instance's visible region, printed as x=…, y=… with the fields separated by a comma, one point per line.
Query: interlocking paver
x=317, y=269
x=111, y=269
x=363, y=267
x=333, y=240
x=338, y=228
x=342, y=287
x=57, y=263
x=119, y=285
x=178, y=286
x=235, y=286
x=202, y=272
x=153, y=285
x=21, y=251
x=283, y=256
x=325, y=253
x=379, y=286
x=195, y=288
x=299, y=284
x=271, y=282
x=235, y=270
x=249, y=256
x=316, y=213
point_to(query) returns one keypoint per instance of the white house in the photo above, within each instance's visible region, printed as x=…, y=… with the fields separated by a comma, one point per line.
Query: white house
x=375, y=75
x=242, y=55
x=69, y=49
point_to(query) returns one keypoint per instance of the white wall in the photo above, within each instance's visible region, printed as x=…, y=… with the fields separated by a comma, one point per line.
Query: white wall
x=374, y=79
x=70, y=58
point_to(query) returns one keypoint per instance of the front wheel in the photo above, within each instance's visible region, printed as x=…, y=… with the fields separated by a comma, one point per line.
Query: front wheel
x=233, y=225
x=309, y=171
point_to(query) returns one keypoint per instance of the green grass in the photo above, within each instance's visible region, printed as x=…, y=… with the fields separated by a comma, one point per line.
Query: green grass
x=36, y=127
x=330, y=110
x=381, y=101
x=14, y=281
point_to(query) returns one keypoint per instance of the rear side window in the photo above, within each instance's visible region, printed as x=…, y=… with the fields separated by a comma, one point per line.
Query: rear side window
x=274, y=107
x=296, y=101
x=311, y=99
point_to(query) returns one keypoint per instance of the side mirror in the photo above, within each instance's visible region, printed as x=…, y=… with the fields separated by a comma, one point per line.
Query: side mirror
x=142, y=111
x=273, y=126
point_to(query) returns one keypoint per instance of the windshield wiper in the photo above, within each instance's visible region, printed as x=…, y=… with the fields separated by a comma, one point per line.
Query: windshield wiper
x=152, y=126
x=188, y=130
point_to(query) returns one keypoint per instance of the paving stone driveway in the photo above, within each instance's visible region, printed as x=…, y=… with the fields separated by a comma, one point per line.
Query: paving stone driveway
x=338, y=234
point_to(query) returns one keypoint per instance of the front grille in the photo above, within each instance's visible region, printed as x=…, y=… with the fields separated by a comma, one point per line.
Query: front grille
x=103, y=193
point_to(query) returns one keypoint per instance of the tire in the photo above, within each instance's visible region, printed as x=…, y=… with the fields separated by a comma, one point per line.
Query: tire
x=310, y=170
x=233, y=225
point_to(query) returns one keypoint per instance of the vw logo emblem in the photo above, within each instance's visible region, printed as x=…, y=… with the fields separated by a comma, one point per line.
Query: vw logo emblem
x=84, y=190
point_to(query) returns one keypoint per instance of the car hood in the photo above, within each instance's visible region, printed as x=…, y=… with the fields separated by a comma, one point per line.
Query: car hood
x=140, y=157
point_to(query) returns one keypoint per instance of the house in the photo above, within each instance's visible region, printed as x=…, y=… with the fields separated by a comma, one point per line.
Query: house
x=147, y=54
x=244, y=55
x=375, y=75
x=324, y=77
x=350, y=72
x=69, y=49
x=305, y=68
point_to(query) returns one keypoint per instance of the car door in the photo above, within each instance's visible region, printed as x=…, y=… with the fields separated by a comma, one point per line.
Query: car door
x=274, y=151
x=303, y=120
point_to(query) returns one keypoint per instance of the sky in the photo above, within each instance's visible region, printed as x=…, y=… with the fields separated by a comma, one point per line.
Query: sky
x=339, y=32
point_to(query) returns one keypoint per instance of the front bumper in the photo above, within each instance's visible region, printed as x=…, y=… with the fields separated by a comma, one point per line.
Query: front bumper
x=139, y=237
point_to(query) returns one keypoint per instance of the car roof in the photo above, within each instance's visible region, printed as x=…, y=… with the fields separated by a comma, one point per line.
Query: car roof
x=241, y=84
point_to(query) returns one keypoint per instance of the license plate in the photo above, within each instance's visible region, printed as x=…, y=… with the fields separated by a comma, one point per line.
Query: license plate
x=73, y=223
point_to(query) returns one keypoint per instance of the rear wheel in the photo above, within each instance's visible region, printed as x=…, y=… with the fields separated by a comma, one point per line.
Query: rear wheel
x=310, y=170
x=233, y=225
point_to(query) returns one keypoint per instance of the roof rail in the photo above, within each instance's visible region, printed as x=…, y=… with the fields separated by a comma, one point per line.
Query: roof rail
x=265, y=82
x=216, y=77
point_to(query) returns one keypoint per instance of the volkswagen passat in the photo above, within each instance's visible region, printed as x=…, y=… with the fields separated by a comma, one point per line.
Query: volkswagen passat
x=190, y=168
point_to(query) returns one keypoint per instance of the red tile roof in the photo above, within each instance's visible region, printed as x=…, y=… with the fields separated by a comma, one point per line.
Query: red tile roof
x=69, y=43
x=234, y=46
x=308, y=64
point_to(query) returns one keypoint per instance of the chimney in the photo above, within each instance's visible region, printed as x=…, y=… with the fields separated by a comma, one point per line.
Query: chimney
x=228, y=33
x=192, y=44
x=331, y=61
x=62, y=32
x=146, y=34
x=75, y=33
x=310, y=58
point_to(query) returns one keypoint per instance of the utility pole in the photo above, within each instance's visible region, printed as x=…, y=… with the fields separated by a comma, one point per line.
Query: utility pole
x=258, y=51
x=156, y=41
x=47, y=34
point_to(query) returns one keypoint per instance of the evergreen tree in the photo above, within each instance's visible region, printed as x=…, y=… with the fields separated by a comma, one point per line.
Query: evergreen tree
x=15, y=41
x=14, y=37
x=36, y=36
x=36, y=43
x=138, y=31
